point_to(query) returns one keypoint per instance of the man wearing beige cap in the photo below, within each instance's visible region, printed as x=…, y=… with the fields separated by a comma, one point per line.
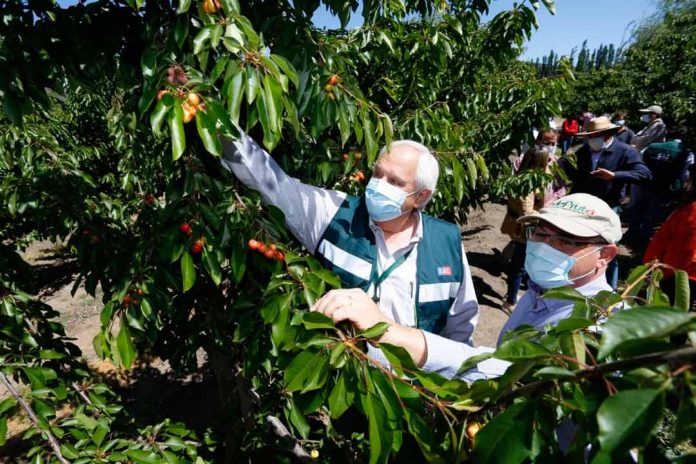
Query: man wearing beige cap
x=604, y=167
x=655, y=130
x=570, y=242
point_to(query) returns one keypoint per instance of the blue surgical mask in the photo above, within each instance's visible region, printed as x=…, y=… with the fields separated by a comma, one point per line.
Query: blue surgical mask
x=620, y=122
x=549, y=267
x=645, y=118
x=384, y=200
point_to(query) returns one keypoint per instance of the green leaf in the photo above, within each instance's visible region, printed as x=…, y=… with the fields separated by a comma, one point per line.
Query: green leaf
x=270, y=88
x=238, y=263
x=308, y=371
x=183, y=7
x=3, y=430
x=343, y=126
x=125, y=346
x=205, y=124
x=287, y=68
x=298, y=421
x=565, y=294
x=380, y=442
x=235, y=95
x=573, y=344
x=375, y=331
x=252, y=87
x=7, y=404
x=341, y=396
x=553, y=372
x=157, y=116
x=627, y=418
x=176, y=129
x=550, y=6
x=181, y=30
x=148, y=62
x=640, y=323
x=314, y=320
x=188, y=271
x=201, y=38
x=507, y=438
x=211, y=264
x=519, y=349
x=681, y=297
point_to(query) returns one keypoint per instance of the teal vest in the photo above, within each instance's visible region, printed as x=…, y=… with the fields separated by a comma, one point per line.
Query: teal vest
x=348, y=248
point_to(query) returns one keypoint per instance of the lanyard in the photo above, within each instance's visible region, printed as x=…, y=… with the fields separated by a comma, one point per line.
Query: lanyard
x=378, y=279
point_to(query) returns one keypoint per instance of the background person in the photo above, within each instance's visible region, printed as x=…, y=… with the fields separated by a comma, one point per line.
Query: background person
x=604, y=167
x=569, y=129
x=674, y=244
x=623, y=133
x=536, y=158
x=655, y=129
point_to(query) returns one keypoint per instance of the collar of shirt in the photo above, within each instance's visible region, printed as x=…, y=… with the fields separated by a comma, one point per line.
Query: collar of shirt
x=417, y=236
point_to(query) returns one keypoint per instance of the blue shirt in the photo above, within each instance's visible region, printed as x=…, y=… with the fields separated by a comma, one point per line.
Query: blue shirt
x=535, y=310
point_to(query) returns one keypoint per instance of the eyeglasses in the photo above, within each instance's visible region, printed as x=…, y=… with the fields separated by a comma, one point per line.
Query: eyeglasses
x=534, y=234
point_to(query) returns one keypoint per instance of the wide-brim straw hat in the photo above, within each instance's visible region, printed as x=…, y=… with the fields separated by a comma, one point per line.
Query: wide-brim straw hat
x=599, y=125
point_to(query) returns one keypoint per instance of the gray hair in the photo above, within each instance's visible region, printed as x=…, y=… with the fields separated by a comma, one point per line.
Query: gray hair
x=427, y=171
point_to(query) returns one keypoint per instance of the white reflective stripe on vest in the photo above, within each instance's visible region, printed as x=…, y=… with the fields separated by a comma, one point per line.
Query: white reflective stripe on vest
x=427, y=293
x=344, y=260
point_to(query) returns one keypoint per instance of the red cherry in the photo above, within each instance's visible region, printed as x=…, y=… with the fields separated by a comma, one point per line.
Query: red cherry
x=253, y=244
x=185, y=227
x=196, y=248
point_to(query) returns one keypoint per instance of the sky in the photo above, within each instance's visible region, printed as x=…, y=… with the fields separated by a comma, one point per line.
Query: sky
x=598, y=21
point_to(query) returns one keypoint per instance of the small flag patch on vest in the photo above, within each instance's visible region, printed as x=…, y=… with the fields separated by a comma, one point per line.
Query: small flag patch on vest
x=444, y=271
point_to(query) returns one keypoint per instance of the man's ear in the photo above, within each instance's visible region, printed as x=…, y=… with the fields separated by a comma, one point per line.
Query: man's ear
x=422, y=197
x=609, y=252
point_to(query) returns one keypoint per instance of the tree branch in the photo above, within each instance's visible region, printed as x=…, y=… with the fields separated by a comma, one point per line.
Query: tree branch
x=665, y=357
x=32, y=415
x=284, y=434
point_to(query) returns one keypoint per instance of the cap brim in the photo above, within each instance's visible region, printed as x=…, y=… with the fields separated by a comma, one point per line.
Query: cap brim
x=564, y=223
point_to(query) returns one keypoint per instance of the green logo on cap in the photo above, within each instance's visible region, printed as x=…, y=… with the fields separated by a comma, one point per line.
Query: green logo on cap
x=570, y=205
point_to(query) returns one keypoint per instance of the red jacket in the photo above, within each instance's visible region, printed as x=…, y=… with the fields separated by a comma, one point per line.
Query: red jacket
x=569, y=127
x=675, y=242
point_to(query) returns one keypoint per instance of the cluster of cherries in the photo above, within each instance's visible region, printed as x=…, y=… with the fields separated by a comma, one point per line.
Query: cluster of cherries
x=329, y=87
x=197, y=246
x=270, y=251
x=130, y=298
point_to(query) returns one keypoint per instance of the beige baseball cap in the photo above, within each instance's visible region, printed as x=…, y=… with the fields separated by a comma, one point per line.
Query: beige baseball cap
x=657, y=109
x=581, y=215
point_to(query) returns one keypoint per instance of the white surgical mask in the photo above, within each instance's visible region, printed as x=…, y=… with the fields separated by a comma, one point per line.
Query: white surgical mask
x=550, y=148
x=596, y=143
x=645, y=118
x=620, y=122
x=384, y=200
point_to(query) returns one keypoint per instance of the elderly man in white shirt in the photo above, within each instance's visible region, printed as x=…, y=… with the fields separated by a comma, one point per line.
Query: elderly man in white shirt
x=411, y=264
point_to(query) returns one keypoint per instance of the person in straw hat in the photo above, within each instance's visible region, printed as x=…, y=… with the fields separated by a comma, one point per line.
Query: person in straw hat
x=604, y=167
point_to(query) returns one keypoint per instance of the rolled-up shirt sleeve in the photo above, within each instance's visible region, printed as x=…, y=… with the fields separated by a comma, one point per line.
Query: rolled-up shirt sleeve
x=308, y=209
